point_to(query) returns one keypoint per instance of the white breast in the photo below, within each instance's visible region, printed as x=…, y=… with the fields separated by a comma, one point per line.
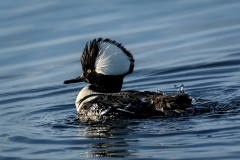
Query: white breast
x=83, y=93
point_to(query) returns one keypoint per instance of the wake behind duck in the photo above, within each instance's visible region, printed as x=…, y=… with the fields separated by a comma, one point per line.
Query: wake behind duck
x=104, y=65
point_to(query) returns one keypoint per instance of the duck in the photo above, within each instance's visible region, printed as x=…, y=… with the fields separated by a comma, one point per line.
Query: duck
x=105, y=63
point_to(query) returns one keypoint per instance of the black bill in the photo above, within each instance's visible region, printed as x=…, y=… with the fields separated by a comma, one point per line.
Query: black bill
x=75, y=80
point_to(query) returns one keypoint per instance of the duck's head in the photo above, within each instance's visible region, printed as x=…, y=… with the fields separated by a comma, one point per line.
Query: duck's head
x=104, y=65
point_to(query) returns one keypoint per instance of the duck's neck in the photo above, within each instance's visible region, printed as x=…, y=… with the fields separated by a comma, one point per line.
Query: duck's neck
x=107, y=84
x=84, y=94
x=106, y=89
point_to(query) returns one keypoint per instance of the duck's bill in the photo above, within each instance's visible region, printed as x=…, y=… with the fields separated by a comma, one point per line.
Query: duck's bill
x=75, y=80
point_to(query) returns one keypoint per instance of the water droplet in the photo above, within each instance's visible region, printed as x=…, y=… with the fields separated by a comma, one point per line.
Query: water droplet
x=194, y=101
x=182, y=88
x=178, y=90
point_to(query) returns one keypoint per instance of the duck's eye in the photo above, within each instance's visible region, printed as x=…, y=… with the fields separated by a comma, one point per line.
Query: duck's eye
x=89, y=71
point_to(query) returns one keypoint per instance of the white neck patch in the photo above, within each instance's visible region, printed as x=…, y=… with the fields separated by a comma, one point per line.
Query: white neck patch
x=111, y=60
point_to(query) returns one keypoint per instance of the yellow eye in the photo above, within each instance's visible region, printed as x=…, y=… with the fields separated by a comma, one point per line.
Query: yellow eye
x=89, y=71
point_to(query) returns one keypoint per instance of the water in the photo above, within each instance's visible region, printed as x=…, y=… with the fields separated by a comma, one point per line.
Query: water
x=195, y=43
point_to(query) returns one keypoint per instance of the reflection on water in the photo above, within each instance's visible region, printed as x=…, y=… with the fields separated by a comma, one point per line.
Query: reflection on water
x=195, y=43
x=110, y=141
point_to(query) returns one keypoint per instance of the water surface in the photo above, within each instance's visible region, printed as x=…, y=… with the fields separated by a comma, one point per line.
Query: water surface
x=195, y=43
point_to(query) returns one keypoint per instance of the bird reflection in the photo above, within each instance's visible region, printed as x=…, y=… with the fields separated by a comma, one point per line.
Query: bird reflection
x=110, y=153
x=110, y=139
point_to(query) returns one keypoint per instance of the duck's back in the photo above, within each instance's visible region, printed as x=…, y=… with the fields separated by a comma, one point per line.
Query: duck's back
x=134, y=104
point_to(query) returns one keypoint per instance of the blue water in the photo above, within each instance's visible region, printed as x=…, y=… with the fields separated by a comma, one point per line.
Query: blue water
x=195, y=43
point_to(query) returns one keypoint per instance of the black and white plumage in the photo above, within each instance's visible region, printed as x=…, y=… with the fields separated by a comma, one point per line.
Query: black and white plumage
x=104, y=65
x=132, y=104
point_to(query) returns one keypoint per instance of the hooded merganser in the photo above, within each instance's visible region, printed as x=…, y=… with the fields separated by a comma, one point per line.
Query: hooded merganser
x=104, y=65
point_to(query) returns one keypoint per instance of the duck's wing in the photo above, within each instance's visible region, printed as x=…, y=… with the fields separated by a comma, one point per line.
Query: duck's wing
x=173, y=104
x=134, y=105
x=157, y=104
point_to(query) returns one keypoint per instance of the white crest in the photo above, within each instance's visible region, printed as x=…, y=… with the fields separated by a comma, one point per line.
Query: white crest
x=111, y=60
